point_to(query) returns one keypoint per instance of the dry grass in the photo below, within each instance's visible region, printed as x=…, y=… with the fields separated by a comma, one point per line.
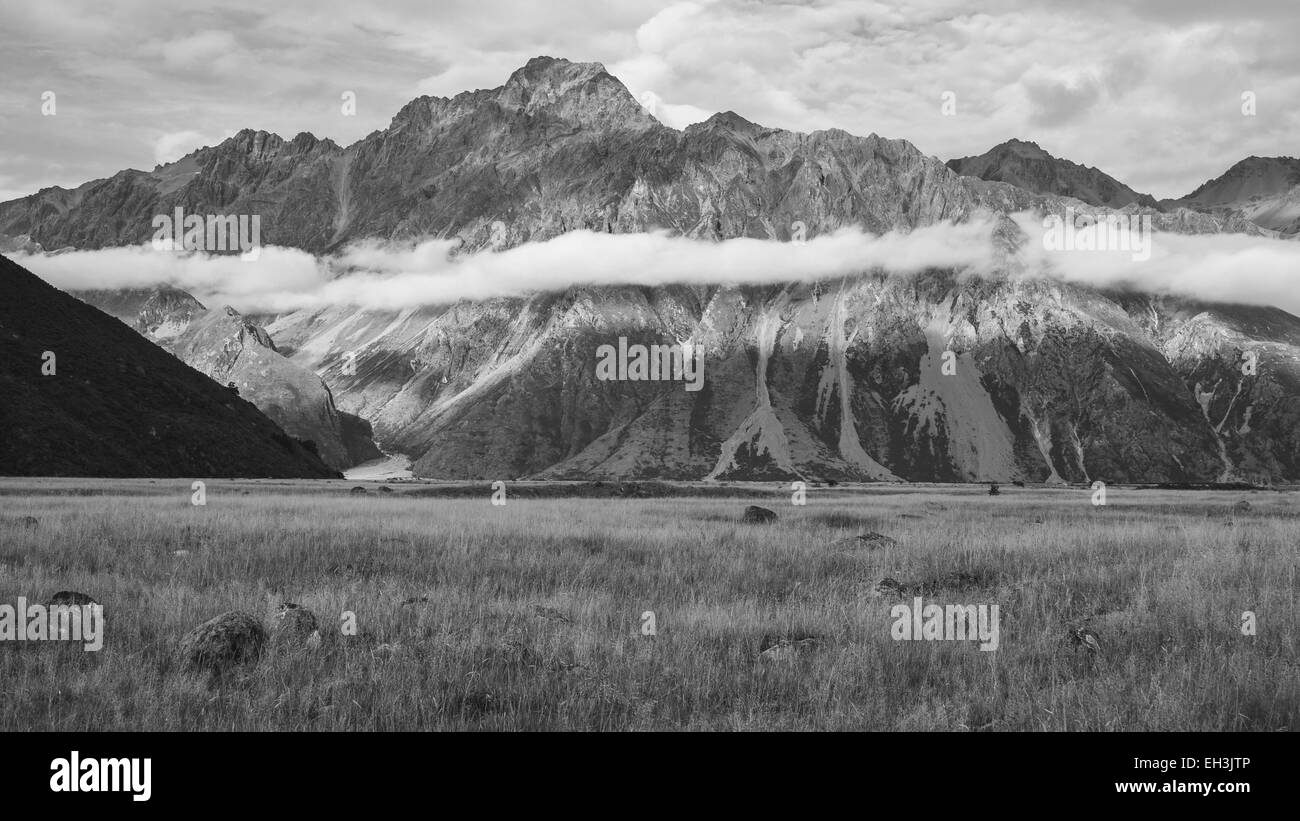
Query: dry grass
x=531, y=611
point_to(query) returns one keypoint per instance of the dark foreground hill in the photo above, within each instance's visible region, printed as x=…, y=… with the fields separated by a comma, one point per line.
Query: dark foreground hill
x=116, y=404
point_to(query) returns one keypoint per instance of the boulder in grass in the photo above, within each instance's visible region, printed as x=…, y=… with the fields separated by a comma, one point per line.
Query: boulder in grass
x=889, y=586
x=220, y=644
x=357, y=491
x=786, y=648
x=871, y=541
x=1085, y=640
x=70, y=597
x=1241, y=507
x=551, y=614
x=756, y=515
x=294, y=625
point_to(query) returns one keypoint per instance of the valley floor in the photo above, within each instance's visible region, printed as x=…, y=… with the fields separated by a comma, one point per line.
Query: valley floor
x=530, y=615
x=393, y=466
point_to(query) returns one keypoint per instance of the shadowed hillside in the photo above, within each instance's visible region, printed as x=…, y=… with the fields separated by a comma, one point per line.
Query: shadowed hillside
x=116, y=404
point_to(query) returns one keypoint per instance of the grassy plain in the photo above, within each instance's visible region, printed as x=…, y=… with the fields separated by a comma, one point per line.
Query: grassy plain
x=528, y=616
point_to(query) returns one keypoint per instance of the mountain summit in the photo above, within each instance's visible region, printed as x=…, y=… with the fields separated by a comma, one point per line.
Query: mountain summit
x=1264, y=190
x=1025, y=165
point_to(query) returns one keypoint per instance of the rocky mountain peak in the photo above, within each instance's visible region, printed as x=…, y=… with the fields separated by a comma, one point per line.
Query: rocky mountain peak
x=1251, y=177
x=728, y=120
x=166, y=312
x=1023, y=148
x=552, y=72
x=1026, y=165
x=582, y=93
x=245, y=330
x=253, y=143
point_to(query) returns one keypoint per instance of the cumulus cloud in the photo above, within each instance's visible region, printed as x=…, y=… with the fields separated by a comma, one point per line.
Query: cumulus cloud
x=392, y=276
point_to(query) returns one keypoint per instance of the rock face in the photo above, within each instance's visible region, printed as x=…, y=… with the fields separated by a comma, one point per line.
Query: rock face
x=230, y=349
x=157, y=313
x=19, y=244
x=1025, y=165
x=839, y=380
x=1053, y=383
x=116, y=404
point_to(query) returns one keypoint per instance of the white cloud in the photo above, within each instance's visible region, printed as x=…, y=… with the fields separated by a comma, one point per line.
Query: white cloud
x=1230, y=268
x=395, y=276
x=174, y=145
x=207, y=50
x=1223, y=267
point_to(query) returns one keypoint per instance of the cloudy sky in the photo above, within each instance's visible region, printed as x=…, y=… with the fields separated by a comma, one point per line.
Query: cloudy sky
x=1150, y=93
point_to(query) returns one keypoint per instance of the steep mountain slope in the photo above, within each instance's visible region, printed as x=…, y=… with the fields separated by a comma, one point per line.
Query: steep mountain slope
x=116, y=404
x=1242, y=365
x=1025, y=165
x=838, y=380
x=157, y=313
x=232, y=350
x=1264, y=190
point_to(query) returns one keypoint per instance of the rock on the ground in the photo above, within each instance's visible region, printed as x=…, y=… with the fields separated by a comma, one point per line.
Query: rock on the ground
x=781, y=648
x=294, y=624
x=70, y=597
x=871, y=541
x=230, y=639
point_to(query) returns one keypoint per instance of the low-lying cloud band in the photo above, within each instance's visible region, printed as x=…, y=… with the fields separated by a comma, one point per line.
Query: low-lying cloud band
x=391, y=276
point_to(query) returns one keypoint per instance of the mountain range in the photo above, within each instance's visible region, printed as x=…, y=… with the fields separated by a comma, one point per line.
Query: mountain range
x=838, y=379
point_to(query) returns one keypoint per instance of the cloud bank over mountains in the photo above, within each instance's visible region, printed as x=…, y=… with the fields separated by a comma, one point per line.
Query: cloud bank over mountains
x=395, y=275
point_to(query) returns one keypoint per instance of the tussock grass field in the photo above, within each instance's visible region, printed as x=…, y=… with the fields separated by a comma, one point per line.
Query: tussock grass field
x=528, y=616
